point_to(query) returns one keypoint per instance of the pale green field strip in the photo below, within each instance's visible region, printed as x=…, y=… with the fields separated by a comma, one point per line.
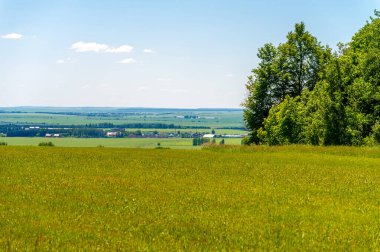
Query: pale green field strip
x=176, y=143
x=261, y=199
x=217, y=131
x=224, y=120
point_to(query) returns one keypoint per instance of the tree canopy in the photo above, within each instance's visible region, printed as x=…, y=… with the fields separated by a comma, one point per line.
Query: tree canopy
x=303, y=92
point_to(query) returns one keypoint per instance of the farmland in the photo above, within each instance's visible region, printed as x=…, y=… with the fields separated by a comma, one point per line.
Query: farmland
x=174, y=143
x=217, y=118
x=231, y=198
x=88, y=127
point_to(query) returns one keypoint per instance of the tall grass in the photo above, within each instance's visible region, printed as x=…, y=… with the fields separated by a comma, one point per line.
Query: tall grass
x=255, y=198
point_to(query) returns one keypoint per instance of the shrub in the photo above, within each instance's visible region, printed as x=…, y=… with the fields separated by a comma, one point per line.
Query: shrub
x=3, y=143
x=47, y=144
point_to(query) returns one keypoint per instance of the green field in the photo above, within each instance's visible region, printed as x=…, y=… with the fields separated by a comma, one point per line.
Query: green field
x=207, y=131
x=175, y=143
x=213, y=119
x=259, y=198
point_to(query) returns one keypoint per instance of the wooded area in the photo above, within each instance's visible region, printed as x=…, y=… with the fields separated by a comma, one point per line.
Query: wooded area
x=304, y=92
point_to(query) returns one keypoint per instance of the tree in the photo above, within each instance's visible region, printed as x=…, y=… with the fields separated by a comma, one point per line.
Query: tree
x=259, y=87
x=301, y=92
x=302, y=59
x=283, y=125
x=283, y=71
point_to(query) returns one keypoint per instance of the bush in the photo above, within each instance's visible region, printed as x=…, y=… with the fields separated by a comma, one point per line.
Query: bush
x=376, y=132
x=3, y=143
x=162, y=148
x=47, y=144
x=245, y=141
x=200, y=141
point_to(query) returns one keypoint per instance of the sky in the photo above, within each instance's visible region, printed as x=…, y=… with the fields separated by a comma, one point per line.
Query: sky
x=152, y=53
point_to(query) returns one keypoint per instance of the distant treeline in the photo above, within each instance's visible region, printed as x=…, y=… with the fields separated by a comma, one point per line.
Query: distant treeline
x=78, y=132
x=88, y=130
x=107, y=126
x=143, y=126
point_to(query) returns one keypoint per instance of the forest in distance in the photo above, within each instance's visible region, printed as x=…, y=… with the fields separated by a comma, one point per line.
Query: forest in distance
x=303, y=92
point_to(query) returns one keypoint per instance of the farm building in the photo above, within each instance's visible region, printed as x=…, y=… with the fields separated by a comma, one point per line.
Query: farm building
x=111, y=134
x=52, y=135
x=209, y=136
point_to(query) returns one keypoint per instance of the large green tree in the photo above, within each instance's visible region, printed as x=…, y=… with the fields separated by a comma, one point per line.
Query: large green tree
x=283, y=71
x=301, y=92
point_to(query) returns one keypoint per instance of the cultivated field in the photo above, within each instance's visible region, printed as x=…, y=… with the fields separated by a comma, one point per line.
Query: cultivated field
x=226, y=118
x=259, y=198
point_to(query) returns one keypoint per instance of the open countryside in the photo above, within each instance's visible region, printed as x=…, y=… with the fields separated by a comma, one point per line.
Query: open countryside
x=190, y=125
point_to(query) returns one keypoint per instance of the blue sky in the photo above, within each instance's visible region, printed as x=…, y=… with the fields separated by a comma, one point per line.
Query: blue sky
x=151, y=53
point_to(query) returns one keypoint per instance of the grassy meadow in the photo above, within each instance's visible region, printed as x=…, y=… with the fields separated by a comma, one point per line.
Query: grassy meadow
x=173, y=143
x=231, y=198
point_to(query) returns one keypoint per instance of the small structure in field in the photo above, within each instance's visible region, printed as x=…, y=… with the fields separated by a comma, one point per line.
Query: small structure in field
x=111, y=134
x=52, y=135
x=209, y=136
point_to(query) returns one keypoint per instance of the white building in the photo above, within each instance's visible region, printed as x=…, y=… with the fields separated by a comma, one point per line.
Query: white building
x=209, y=136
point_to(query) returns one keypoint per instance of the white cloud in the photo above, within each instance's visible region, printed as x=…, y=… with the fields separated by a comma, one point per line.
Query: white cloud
x=88, y=47
x=127, y=61
x=97, y=48
x=147, y=50
x=67, y=60
x=120, y=49
x=12, y=36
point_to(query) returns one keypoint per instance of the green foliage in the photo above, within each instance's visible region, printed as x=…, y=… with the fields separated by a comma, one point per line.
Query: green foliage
x=283, y=125
x=3, y=143
x=283, y=71
x=46, y=144
x=200, y=141
x=317, y=97
x=376, y=132
x=245, y=141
